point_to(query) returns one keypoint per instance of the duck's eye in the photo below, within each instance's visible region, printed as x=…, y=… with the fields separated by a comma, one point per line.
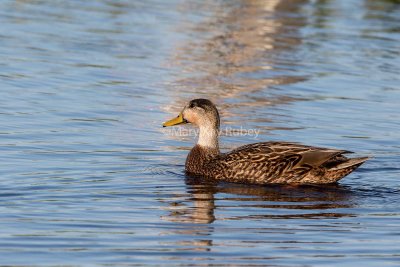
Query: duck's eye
x=195, y=105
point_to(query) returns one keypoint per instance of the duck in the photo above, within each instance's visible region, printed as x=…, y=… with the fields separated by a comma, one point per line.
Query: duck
x=263, y=163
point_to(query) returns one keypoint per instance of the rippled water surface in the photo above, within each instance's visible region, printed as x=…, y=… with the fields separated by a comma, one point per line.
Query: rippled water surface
x=89, y=177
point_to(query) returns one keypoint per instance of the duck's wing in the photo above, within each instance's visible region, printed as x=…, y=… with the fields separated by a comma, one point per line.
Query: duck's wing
x=277, y=162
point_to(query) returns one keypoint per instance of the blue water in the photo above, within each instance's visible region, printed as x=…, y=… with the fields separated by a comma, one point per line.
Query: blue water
x=90, y=178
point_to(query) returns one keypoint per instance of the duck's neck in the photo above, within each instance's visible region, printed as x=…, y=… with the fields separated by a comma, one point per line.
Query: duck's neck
x=205, y=150
x=208, y=138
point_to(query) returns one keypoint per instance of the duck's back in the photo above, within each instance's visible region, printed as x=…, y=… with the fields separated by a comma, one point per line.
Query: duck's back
x=281, y=163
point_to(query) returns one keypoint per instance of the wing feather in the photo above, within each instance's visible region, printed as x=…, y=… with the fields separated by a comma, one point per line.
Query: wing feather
x=271, y=161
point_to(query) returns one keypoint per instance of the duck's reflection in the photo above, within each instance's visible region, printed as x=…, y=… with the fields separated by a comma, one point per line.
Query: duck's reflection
x=197, y=207
x=260, y=202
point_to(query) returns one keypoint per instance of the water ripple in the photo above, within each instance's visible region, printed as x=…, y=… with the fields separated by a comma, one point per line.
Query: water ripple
x=88, y=177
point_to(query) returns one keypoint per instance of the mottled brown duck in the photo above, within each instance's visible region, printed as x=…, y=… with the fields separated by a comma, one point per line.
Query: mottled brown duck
x=258, y=163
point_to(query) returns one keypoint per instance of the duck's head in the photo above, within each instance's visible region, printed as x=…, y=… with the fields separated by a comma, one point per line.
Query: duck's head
x=200, y=112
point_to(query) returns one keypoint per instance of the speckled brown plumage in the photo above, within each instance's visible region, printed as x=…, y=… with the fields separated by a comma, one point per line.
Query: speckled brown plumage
x=259, y=163
x=272, y=162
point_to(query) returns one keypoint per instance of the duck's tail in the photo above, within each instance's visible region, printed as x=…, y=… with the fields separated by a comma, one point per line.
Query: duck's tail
x=337, y=172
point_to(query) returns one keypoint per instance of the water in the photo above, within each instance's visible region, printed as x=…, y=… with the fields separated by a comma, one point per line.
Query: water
x=89, y=177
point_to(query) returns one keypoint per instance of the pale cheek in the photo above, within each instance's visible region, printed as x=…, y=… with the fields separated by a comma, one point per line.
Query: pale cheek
x=190, y=117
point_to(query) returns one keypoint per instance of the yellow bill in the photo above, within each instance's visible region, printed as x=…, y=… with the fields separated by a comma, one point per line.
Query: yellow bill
x=175, y=121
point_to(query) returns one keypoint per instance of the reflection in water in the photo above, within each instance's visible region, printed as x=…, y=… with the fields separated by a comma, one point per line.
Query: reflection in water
x=240, y=49
x=207, y=202
x=268, y=202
